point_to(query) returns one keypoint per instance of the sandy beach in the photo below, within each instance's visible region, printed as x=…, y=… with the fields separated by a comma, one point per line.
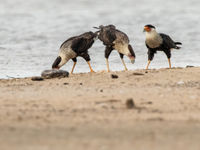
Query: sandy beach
x=88, y=111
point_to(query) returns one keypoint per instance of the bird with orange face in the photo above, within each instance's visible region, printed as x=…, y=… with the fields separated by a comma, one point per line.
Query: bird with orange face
x=158, y=42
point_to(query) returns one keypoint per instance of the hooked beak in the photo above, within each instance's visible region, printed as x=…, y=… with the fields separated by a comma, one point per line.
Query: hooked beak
x=133, y=61
x=96, y=35
x=146, y=29
x=132, y=58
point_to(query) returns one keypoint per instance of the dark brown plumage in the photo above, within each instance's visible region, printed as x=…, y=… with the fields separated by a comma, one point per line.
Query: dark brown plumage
x=115, y=39
x=158, y=42
x=74, y=47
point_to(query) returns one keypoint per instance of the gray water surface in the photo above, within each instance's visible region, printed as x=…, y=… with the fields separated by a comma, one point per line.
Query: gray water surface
x=31, y=32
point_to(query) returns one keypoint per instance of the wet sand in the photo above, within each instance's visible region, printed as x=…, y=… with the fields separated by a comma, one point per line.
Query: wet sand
x=88, y=111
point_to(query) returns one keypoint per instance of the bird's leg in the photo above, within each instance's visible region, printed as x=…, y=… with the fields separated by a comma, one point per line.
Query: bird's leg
x=108, y=50
x=170, y=66
x=124, y=64
x=107, y=63
x=121, y=56
x=86, y=56
x=73, y=67
x=91, y=70
x=168, y=53
x=149, y=61
x=74, y=60
x=150, y=56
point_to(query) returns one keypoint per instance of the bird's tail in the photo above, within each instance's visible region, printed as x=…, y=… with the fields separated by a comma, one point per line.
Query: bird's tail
x=178, y=43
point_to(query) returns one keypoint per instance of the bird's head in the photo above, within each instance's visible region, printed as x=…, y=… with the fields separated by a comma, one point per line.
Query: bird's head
x=59, y=62
x=56, y=63
x=131, y=54
x=149, y=28
x=90, y=35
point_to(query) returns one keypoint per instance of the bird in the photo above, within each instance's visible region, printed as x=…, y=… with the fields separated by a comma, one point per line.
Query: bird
x=74, y=47
x=158, y=42
x=114, y=39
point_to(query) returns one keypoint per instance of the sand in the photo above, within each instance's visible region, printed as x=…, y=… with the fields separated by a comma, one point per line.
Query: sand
x=88, y=111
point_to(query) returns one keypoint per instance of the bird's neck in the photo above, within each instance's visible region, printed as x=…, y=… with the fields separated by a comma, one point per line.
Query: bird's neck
x=66, y=55
x=153, y=39
x=152, y=35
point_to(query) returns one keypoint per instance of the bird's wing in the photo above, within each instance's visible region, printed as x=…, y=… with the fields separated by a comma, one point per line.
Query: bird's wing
x=107, y=36
x=63, y=44
x=121, y=36
x=167, y=41
x=147, y=45
x=111, y=35
x=81, y=44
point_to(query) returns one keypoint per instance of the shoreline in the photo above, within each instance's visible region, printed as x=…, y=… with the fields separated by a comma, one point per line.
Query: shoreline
x=103, y=71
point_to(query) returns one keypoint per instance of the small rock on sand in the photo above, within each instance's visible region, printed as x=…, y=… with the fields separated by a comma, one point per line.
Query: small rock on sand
x=180, y=83
x=47, y=74
x=114, y=76
x=37, y=79
x=138, y=74
x=189, y=66
x=130, y=103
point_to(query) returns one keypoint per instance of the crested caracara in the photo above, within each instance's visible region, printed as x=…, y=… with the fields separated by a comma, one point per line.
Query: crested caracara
x=158, y=42
x=74, y=47
x=113, y=38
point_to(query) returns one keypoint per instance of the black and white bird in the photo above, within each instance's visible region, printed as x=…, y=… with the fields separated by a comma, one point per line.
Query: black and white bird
x=113, y=38
x=74, y=47
x=158, y=42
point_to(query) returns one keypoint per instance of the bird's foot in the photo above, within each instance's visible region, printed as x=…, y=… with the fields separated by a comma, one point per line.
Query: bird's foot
x=92, y=71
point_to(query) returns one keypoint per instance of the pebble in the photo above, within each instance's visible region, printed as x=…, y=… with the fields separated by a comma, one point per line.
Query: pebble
x=138, y=74
x=189, y=66
x=114, y=76
x=37, y=79
x=180, y=83
x=130, y=103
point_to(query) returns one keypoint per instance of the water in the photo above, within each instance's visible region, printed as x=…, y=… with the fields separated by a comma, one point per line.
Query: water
x=32, y=31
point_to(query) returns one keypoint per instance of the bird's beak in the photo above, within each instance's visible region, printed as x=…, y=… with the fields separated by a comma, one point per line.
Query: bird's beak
x=146, y=29
x=96, y=35
x=132, y=59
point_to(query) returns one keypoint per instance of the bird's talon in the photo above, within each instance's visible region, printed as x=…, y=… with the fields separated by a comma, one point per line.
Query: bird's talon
x=92, y=71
